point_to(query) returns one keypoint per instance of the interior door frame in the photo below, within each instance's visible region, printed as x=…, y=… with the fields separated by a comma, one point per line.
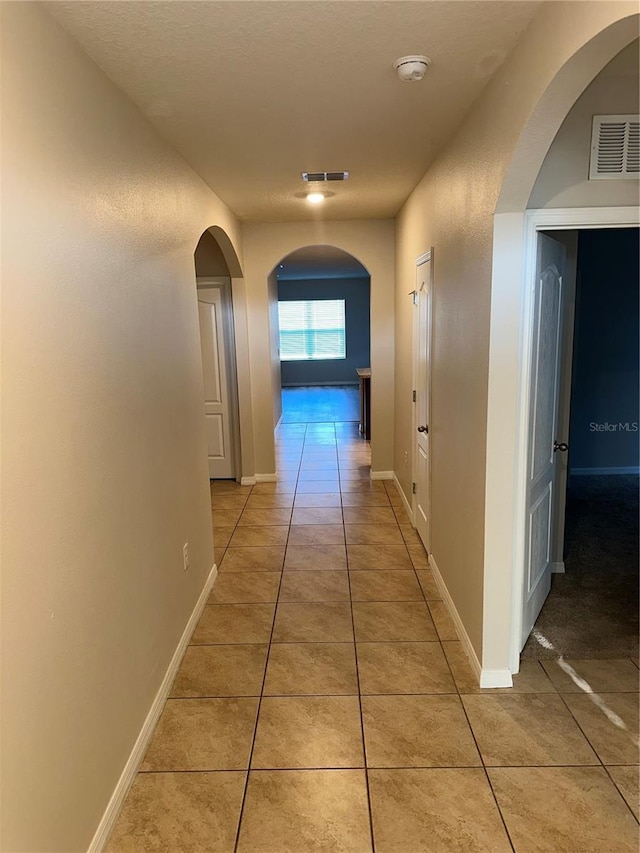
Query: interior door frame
x=224, y=284
x=427, y=257
x=559, y=219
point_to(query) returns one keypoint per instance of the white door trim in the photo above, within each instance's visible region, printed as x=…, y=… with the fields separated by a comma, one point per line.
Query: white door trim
x=534, y=221
x=421, y=259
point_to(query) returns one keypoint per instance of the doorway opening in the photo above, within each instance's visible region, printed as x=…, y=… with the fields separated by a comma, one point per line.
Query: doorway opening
x=320, y=308
x=218, y=351
x=581, y=579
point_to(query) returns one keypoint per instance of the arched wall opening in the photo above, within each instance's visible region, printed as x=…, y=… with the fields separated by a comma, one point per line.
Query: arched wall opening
x=371, y=244
x=222, y=315
x=209, y=258
x=555, y=103
x=607, y=32
x=215, y=243
x=307, y=280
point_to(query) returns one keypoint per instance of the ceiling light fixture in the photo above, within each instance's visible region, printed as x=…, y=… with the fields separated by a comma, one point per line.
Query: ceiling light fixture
x=411, y=68
x=315, y=198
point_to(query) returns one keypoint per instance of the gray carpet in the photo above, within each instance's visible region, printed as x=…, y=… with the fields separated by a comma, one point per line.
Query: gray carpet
x=592, y=610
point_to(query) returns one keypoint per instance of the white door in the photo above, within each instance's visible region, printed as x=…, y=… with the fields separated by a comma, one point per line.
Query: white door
x=569, y=240
x=217, y=410
x=543, y=418
x=422, y=386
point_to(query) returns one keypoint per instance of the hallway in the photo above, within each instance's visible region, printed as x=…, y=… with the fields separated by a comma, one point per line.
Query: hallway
x=326, y=626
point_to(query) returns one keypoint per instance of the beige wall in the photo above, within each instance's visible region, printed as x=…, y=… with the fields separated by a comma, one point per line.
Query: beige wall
x=243, y=369
x=564, y=178
x=452, y=210
x=445, y=212
x=274, y=348
x=103, y=448
x=372, y=243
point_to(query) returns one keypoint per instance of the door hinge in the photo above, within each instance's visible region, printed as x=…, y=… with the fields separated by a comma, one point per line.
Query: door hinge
x=413, y=394
x=414, y=487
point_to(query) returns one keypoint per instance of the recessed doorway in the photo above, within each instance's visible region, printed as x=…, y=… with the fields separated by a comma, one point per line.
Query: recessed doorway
x=323, y=310
x=218, y=352
x=581, y=583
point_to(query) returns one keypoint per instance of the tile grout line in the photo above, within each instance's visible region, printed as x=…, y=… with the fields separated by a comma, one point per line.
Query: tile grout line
x=270, y=643
x=390, y=767
x=484, y=766
x=264, y=678
x=364, y=743
x=473, y=734
x=613, y=782
x=365, y=695
x=224, y=550
x=597, y=754
x=320, y=642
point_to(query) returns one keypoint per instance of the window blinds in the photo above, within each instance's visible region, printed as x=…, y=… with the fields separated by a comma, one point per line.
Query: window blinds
x=312, y=330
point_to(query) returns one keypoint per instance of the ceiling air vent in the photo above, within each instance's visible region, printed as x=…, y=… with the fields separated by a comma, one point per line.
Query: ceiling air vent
x=615, y=147
x=325, y=176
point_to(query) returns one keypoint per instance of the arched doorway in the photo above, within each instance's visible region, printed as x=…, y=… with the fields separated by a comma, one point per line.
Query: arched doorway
x=511, y=349
x=213, y=257
x=323, y=334
x=371, y=242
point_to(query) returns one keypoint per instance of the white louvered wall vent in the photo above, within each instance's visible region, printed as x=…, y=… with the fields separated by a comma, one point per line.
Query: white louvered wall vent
x=615, y=148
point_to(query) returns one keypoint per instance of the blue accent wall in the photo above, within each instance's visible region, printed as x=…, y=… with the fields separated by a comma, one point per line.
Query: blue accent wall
x=356, y=294
x=604, y=394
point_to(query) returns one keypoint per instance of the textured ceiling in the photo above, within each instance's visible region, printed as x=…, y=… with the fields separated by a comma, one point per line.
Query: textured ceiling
x=253, y=92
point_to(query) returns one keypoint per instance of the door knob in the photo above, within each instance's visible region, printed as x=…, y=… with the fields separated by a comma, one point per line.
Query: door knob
x=423, y=429
x=560, y=445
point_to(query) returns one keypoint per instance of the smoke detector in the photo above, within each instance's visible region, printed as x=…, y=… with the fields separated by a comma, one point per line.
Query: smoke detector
x=411, y=68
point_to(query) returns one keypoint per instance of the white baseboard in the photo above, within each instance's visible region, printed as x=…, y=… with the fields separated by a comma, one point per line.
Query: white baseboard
x=405, y=502
x=266, y=478
x=453, y=612
x=382, y=475
x=557, y=568
x=486, y=677
x=594, y=472
x=248, y=481
x=496, y=678
x=142, y=742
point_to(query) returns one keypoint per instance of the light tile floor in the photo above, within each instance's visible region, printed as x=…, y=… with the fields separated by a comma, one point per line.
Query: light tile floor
x=325, y=703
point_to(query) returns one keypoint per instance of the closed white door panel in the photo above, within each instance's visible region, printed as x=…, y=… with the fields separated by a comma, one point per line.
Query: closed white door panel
x=422, y=450
x=215, y=436
x=215, y=380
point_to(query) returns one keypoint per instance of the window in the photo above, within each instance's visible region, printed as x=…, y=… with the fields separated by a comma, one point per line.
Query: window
x=312, y=330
